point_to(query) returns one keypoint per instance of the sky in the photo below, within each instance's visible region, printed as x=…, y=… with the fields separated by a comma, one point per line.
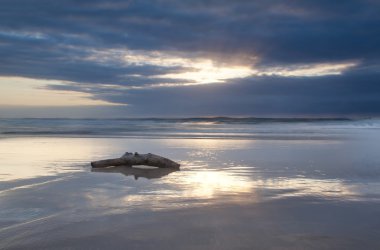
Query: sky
x=181, y=58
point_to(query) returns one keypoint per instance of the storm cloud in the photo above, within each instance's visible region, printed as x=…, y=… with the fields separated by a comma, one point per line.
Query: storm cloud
x=279, y=58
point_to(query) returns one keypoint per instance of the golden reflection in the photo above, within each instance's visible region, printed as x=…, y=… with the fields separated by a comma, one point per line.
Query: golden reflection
x=180, y=189
x=210, y=184
x=189, y=188
x=214, y=184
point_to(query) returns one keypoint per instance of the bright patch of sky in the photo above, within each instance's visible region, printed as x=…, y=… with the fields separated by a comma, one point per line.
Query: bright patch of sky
x=18, y=91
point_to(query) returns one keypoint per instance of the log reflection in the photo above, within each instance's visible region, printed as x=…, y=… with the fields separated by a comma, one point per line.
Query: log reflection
x=148, y=173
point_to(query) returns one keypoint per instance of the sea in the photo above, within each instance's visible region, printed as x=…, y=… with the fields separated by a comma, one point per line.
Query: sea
x=212, y=127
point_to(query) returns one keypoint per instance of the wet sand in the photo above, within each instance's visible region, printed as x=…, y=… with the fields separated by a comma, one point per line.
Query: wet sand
x=229, y=194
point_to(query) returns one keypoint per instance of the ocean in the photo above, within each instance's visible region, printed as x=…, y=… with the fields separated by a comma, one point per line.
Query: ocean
x=244, y=183
x=215, y=127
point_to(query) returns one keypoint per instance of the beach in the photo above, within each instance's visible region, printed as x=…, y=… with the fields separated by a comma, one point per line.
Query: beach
x=242, y=185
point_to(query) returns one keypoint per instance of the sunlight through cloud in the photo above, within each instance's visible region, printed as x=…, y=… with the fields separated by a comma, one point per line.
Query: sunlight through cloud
x=200, y=70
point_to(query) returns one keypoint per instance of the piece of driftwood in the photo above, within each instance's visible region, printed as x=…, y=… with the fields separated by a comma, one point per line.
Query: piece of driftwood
x=130, y=159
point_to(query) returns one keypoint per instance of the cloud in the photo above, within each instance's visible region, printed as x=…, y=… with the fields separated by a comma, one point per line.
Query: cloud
x=354, y=94
x=129, y=51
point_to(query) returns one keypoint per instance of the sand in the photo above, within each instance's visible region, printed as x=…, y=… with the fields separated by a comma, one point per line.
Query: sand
x=229, y=194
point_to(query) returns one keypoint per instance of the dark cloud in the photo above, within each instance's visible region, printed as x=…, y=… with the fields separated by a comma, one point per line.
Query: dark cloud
x=47, y=39
x=296, y=30
x=349, y=95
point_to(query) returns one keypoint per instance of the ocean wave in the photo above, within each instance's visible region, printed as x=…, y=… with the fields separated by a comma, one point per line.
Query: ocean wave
x=211, y=127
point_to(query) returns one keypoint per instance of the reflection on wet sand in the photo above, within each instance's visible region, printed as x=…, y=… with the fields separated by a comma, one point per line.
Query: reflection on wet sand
x=213, y=186
x=193, y=187
x=148, y=173
x=236, y=194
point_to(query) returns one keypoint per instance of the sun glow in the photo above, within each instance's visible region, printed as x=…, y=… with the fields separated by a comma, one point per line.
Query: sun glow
x=206, y=72
x=190, y=70
x=196, y=71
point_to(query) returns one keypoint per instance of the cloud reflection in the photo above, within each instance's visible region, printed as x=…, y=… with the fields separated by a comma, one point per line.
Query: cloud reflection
x=34, y=157
x=218, y=176
x=192, y=188
x=214, y=185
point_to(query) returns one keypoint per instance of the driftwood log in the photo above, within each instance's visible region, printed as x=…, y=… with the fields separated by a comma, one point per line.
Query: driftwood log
x=130, y=159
